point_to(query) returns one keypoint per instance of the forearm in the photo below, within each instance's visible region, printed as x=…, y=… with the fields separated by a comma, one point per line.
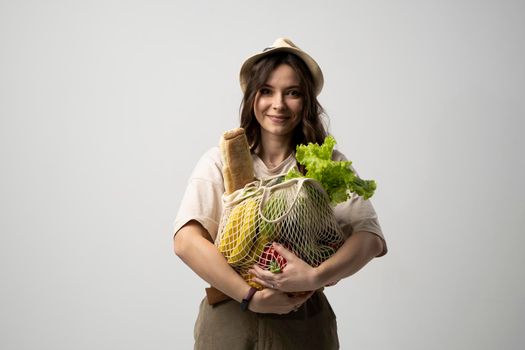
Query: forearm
x=205, y=260
x=356, y=252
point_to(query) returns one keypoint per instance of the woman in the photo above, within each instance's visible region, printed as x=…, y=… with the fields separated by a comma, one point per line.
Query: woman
x=279, y=111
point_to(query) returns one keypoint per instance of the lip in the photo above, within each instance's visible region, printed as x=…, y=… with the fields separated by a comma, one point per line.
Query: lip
x=278, y=118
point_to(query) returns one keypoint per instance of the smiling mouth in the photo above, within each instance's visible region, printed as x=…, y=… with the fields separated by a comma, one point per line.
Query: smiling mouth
x=278, y=119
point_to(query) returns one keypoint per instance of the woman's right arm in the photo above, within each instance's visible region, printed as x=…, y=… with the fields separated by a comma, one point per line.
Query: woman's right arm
x=194, y=246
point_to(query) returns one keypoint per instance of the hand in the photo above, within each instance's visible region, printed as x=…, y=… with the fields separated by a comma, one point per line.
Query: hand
x=331, y=283
x=297, y=276
x=276, y=302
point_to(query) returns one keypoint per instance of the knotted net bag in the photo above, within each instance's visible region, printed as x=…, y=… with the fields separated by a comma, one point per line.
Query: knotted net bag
x=296, y=213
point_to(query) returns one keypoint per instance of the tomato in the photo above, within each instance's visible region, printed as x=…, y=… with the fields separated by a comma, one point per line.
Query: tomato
x=271, y=260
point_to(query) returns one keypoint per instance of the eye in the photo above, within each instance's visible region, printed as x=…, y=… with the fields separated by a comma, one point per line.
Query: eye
x=264, y=91
x=294, y=93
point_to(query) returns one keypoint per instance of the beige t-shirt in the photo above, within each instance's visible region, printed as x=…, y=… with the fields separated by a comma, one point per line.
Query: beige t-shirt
x=202, y=199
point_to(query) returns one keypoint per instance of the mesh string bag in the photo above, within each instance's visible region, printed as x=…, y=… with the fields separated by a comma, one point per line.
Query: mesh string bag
x=295, y=213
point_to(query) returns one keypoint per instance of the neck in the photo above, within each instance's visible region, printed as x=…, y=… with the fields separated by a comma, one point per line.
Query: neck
x=273, y=150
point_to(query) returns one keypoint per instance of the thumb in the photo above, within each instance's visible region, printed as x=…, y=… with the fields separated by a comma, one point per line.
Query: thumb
x=285, y=253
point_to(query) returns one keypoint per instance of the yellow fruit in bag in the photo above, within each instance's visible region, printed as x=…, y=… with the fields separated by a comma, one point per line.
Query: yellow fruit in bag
x=239, y=233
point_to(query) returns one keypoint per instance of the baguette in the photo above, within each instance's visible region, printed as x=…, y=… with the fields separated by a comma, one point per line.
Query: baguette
x=238, y=164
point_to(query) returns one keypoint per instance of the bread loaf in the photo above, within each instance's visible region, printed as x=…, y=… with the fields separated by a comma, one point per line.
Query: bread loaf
x=238, y=164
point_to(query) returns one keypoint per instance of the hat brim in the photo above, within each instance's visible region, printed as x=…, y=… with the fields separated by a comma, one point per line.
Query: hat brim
x=314, y=68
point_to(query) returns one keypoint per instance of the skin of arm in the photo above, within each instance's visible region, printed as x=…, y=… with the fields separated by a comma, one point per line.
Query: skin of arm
x=193, y=245
x=355, y=253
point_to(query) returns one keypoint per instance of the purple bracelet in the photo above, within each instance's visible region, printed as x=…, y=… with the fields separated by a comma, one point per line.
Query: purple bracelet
x=247, y=298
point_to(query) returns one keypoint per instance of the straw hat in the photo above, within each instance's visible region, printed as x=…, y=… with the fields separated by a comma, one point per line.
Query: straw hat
x=283, y=45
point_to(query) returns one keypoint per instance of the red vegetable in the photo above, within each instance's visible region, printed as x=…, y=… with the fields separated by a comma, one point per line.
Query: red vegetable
x=271, y=260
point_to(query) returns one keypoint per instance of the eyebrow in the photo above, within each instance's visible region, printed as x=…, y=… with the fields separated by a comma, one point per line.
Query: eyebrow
x=287, y=88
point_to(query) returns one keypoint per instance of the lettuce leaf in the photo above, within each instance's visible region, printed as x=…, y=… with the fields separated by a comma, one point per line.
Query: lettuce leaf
x=336, y=177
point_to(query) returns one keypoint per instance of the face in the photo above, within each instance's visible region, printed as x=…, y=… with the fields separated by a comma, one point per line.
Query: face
x=279, y=103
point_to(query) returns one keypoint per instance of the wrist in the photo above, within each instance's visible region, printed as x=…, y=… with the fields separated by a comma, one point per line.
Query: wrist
x=247, y=298
x=241, y=293
x=319, y=278
x=259, y=300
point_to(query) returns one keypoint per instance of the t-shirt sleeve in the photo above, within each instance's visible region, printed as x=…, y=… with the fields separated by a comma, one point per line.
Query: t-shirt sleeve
x=202, y=200
x=358, y=214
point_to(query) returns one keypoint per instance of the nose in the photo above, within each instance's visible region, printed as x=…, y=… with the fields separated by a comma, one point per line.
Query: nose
x=278, y=102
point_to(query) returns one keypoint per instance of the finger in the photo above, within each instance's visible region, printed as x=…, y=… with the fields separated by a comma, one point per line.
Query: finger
x=303, y=297
x=257, y=271
x=287, y=254
x=307, y=295
x=298, y=304
x=264, y=283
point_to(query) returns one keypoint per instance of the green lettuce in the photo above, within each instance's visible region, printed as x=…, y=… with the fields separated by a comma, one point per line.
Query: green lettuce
x=336, y=177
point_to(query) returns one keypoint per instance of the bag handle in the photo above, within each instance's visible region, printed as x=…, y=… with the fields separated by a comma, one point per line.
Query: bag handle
x=266, y=194
x=254, y=188
x=249, y=190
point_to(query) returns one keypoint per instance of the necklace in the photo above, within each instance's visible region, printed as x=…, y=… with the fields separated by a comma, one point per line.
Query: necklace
x=270, y=164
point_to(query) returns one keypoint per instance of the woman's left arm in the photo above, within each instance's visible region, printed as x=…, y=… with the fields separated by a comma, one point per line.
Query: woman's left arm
x=356, y=252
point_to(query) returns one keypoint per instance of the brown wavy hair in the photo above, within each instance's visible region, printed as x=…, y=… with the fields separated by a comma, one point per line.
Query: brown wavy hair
x=311, y=128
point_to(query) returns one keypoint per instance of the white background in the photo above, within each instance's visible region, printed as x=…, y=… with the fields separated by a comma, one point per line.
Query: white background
x=106, y=106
